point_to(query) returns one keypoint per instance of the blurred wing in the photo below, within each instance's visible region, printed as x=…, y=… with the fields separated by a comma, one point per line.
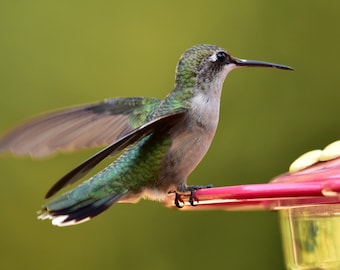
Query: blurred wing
x=78, y=127
x=162, y=123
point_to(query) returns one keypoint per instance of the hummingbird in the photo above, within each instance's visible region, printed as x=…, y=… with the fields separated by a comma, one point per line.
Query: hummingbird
x=159, y=141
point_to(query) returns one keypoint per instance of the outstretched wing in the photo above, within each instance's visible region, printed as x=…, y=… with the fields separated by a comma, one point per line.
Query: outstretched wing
x=78, y=127
x=162, y=123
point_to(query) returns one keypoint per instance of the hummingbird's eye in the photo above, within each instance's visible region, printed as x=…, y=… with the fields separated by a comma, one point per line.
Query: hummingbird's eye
x=221, y=56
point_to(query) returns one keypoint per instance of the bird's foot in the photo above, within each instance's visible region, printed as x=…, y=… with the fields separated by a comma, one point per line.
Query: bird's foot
x=180, y=203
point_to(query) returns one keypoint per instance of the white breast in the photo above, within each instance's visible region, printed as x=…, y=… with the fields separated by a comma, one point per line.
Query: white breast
x=206, y=110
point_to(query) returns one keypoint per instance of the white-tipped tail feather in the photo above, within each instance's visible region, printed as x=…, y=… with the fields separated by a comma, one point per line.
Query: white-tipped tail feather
x=64, y=211
x=60, y=221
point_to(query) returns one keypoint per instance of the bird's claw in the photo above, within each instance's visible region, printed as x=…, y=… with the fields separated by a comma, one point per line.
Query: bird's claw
x=178, y=202
x=192, y=197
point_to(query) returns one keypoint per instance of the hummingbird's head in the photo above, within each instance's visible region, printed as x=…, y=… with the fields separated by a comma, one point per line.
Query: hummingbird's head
x=206, y=64
x=202, y=63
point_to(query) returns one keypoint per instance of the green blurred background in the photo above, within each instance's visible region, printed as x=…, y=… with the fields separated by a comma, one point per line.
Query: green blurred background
x=60, y=53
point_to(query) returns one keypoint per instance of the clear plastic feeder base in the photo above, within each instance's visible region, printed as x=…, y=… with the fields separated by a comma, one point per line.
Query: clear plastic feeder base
x=311, y=237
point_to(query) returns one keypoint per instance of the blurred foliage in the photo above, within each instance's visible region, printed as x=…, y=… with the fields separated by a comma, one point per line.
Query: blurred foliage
x=60, y=53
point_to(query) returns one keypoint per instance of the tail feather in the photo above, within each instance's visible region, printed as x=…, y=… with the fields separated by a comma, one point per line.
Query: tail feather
x=64, y=212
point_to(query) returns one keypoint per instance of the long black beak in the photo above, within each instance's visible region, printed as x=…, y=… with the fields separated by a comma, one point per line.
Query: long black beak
x=255, y=63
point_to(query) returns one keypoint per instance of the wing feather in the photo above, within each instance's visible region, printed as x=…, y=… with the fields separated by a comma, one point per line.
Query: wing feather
x=78, y=127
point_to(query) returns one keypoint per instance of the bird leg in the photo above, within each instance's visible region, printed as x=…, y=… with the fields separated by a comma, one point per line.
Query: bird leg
x=182, y=189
